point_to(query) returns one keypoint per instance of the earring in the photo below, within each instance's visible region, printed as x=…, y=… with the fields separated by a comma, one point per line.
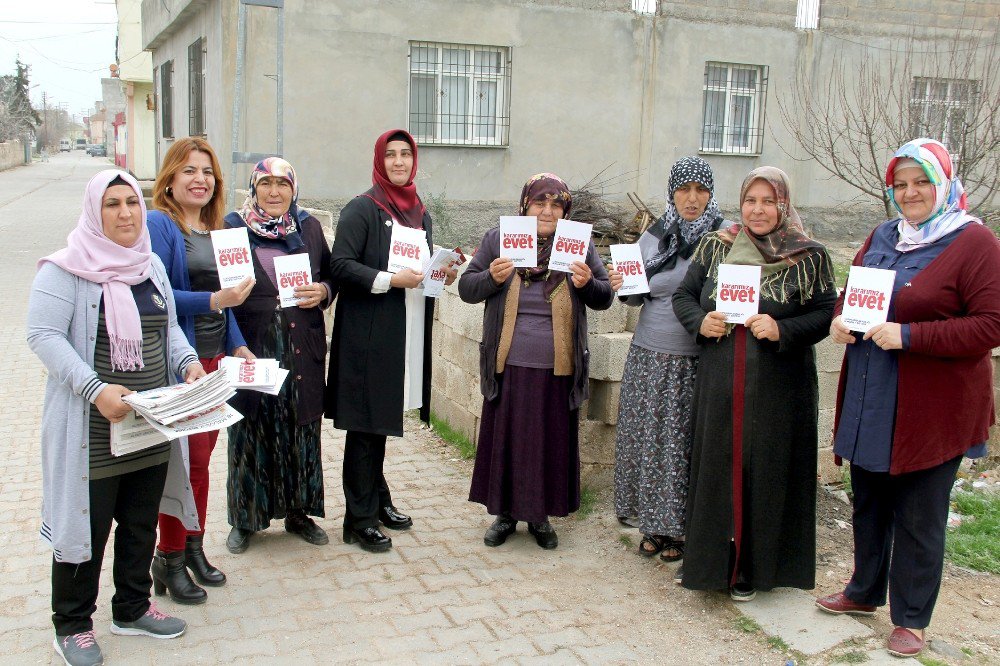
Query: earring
x=169, y=191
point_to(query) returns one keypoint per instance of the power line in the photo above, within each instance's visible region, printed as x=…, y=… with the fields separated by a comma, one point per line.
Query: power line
x=61, y=22
x=65, y=34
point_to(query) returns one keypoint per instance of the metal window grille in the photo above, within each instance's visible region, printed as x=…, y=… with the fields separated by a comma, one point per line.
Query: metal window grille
x=644, y=6
x=733, y=119
x=941, y=109
x=167, y=99
x=459, y=94
x=196, y=87
x=807, y=15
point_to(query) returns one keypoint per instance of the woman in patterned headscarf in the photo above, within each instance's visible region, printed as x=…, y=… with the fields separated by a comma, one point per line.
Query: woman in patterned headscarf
x=751, y=519
x=533, y=371
x=275, y=467
x=653, y=445
x=915, y=393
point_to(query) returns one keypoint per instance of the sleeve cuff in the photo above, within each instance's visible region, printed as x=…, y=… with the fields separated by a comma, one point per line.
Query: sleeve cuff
x=382, y=283
x=904, y=333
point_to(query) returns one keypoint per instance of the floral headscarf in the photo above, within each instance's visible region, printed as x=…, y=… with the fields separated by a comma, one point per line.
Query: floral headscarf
x=545, y=187
x=267, y=230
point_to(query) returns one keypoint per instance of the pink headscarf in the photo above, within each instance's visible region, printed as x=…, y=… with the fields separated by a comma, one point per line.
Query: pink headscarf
x=91, y=255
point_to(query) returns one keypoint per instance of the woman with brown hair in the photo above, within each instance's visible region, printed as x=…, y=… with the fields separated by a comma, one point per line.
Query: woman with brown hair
x=188, y=196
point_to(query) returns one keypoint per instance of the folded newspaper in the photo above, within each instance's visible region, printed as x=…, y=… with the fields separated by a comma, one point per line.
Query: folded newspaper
x=262, y=374
x=170, y=412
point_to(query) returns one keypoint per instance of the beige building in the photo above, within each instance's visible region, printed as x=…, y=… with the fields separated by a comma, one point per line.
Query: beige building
x=135, y=71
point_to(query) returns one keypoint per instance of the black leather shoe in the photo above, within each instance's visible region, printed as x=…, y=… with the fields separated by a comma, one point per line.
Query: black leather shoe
x=369, y=538
x=498, y=532
x=544, y=534
x=393, y=519
x=171, y=576
x=301, y=524
x=238, y=540
x=199, y=565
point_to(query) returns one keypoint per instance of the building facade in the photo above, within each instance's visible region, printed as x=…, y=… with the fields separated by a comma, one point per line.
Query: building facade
x=135, y=71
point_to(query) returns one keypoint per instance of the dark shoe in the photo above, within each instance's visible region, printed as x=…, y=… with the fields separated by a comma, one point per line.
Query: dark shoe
x=238, y=540
x=305, y=527
x=544, y=534
x=742, y=592
x=839, y=604
x=393, y=519
x=79, y=649
x=498, y=532
x=904, y=643
x=171, y=575
x=199, y=565
x=369, y=538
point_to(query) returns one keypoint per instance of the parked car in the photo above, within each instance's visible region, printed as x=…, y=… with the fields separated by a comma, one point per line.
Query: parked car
x=64, y=146
x=81, y=144
x=97, y=150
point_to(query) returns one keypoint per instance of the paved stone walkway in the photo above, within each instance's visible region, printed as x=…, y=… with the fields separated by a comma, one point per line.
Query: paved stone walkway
x=440, y=596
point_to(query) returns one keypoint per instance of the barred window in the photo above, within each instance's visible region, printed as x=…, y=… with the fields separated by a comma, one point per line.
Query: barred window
x=807, y=15
x=733, y=120
x=644, y=6
x=940, y=109
x=167, y=99
x=196, y=87
x=459, y=94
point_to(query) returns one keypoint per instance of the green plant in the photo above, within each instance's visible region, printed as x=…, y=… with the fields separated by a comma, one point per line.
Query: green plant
x=744, y=623
x=776, y=643
x=853, y=657
x=625, y=540
x=841, y=269
x=466, y=449
x=588, y=500
x=437, y=207
x=930, y=661
x=975, y=543
x=845, y=476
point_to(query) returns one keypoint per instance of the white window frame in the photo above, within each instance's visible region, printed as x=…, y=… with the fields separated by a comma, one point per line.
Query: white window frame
x=754, y=127
x=807, y=15
x=647, y=7
x=475, y=76
x=923, y=103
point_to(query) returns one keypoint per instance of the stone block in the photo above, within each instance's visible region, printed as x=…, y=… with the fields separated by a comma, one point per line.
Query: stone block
x=466, y=319
x=597, y=443
x=829, y=356
x=603, y=403
x=824, y=428
x=611, y=320
x=827, y=470
x=607, y=355
x=828, y=389
x=632, y=318
x=456, y=416
x=439, y=374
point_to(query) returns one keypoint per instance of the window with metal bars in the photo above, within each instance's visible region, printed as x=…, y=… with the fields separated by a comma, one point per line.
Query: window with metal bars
x=459, y=94
x=167, y=99
x=733, y=119
x=940, y=109
x=196, y=87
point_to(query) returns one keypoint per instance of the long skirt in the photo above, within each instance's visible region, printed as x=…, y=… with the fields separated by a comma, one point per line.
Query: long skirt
x=275, y=464
x=528, y=458
x=653, y=445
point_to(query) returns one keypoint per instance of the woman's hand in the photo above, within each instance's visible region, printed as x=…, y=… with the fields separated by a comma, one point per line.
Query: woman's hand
x=230, y=297
x=310, y=295
x=616, y=279
x=244, y=353
x=763, y=327
x=109, y=403
x=451, y=274
x=406, y=279
x=713, y=325
x=887, y=336
x=840, y=333
x=580, y=274
x=501, y=269
x=193, y=372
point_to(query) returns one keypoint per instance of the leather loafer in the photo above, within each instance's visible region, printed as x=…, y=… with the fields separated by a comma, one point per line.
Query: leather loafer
x=238, y=540
x=498, y=532
x=393, y=519
x=545, y=534
x=839, y=604
x=305, y=527
x=904, y=643
x=369, y=538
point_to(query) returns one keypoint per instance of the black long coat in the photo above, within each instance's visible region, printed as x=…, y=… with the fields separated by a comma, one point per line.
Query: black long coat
x=364, y=387
x=780, y=395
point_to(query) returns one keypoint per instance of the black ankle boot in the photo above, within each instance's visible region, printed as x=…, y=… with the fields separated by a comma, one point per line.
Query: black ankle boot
x=199, y=565
x=170, y=575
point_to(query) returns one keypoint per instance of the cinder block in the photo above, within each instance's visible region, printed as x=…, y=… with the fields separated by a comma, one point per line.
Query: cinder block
x=827, y=470
x=632, y=318
x=611, y=320
x=603, y=403
x=607, y=355
x=597, y=443
x=467, y=319
x=824, y=427
x=457, y=417
x=828, y=389
x=829, y=356
x=439, y=374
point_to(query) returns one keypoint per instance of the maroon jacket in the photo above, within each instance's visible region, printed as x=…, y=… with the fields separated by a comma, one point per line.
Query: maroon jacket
x=944, y=397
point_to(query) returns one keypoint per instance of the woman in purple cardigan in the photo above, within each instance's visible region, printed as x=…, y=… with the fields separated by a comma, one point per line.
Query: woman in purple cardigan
x=533, y=371
x=916, y=392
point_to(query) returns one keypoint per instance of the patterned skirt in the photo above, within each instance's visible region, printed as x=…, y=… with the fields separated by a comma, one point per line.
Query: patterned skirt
x=653, y=445
x=275, y=465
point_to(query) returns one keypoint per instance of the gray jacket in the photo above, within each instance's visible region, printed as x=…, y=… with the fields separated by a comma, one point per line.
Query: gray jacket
x=63, y=313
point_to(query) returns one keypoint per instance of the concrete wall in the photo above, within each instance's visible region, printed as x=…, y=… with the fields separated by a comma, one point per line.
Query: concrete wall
x=11, y=154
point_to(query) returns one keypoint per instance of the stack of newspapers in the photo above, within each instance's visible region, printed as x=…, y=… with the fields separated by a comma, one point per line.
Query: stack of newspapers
x=170, y=412
x=262, y=374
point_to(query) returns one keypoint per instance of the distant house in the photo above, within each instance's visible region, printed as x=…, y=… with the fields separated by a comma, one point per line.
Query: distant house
x=137, y=151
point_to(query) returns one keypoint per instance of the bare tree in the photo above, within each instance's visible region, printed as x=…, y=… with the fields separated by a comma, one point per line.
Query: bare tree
x=17, y=118
x=851, y=115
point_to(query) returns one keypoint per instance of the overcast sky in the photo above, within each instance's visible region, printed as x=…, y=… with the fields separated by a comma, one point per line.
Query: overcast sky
x=68, y=44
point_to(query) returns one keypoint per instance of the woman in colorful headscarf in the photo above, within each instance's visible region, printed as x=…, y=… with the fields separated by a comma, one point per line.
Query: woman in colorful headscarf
x=915, y=393
x=533, y=371
x=380, y=347
x=101, y=318
x=653, y=444
x=751, y=503
x=275, y=466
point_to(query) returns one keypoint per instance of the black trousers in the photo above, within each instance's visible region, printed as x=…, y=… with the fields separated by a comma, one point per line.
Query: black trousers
x=133, y=501
x=899, y=532
x=365, y=489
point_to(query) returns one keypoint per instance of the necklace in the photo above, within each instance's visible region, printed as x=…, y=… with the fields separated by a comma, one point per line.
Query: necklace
x=201, y=232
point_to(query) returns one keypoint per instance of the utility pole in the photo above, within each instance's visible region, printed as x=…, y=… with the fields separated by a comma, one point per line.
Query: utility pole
x=45, y=120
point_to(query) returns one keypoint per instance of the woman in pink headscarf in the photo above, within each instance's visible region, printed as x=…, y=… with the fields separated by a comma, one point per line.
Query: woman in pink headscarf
x=101, y=318
x=915, y=392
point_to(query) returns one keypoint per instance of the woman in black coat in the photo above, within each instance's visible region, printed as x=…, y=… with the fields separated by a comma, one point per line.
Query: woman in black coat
x=377, y=371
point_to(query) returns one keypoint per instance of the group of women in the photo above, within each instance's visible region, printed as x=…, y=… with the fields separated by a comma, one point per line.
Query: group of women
x=717, y=442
